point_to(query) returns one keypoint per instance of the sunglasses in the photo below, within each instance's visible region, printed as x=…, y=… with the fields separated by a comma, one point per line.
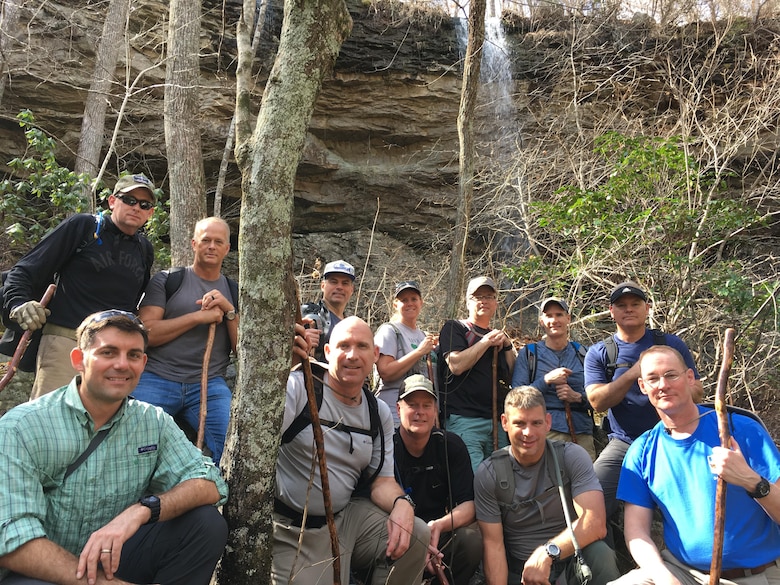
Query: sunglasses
x=103, y=315
x=132, y=201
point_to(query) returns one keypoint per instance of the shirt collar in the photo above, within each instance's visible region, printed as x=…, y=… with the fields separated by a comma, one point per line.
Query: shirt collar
x=73, y=401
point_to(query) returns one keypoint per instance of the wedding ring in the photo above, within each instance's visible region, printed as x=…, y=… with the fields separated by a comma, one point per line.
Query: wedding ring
x=105, y=550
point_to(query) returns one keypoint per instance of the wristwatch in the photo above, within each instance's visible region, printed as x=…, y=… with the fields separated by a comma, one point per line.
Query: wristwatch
x=406, y=497
x=761, y=490
x=553, y=551
x=230, y=315
x=153, y=503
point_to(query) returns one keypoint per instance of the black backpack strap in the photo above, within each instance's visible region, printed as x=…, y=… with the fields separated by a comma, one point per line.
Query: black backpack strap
x=93, y=444
x=611, y=347
x=233, y=286
x=530, y=354
x=173, y=281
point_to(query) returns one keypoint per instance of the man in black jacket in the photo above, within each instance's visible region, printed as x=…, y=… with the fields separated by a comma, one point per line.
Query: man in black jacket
x=101, y=262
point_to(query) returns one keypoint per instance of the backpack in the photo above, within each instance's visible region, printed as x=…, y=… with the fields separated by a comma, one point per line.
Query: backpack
x=530, y=354
x=659, y=338
x=13, y=333
x=176, y=278
x=505, y=477
x=303, y=420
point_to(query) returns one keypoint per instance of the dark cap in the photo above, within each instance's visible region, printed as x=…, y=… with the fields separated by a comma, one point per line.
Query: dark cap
x=414, y=383
x=626, y=288
x=475, y=283
x=137, y=181
x=406, y=285
x=555, y=300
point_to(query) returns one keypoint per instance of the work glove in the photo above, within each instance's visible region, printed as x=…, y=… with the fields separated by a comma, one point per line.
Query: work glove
x=30, y=315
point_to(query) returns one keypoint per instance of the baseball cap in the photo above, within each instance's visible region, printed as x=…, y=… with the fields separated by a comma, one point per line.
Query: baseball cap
x=130, y=182
x=414, y=383
x=626, y=288
x=555, y=300
x=339, y=267
x=406, y=285
x=475, y=283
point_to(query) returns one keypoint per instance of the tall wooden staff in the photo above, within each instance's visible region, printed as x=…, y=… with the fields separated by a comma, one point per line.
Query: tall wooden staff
x=725, y=442
x=319, y=443
x=570, y=422
x=495, y=397
x=24, y=342
x=204, y=386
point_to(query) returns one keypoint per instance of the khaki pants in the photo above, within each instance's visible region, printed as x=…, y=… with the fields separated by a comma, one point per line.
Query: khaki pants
x=362, y=531
x=583, y=440
x=53, y=368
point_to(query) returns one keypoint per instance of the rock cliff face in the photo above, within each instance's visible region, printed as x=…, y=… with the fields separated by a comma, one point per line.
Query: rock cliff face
x=380, y=166
x=383, y=134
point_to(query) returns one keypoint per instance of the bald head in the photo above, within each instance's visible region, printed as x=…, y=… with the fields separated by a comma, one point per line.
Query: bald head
x=351, y=353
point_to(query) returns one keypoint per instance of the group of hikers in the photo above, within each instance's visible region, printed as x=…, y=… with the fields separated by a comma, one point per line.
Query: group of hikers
x=469, y=462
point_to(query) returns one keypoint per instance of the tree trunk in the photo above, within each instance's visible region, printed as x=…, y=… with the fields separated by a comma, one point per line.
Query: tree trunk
x=186, y=178
x=468, y=103
x=312, y=34
x=9, y=19
x=93, y=123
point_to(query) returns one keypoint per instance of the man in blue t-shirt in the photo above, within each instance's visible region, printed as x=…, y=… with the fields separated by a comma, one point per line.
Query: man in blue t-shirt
x=674, y=467
x=629, y=411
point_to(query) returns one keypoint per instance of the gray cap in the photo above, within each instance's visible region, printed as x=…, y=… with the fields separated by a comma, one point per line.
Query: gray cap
x=555, y=300
x=626, y=288
x=414, y=383
x=475, y=283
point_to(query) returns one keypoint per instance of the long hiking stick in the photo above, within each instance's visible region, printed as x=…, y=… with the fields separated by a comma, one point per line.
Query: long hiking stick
x=725, y=442
x=16, y=359
x=570, y=422
x=495, y=398
x=319, y=443
x=204, y=386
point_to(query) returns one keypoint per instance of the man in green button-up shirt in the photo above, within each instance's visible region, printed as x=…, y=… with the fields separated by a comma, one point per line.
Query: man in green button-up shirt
x=98, y=521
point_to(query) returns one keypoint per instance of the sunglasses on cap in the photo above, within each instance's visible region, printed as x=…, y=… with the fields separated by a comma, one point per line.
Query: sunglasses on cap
x=103, y=315
x=132, y=201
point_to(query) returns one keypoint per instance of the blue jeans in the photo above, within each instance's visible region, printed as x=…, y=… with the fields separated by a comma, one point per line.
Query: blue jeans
x=477, y=433
x=179, y=398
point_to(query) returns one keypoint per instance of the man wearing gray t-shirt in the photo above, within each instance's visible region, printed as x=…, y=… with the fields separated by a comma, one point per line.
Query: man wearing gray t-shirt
x=525, y=536
x=178, y=322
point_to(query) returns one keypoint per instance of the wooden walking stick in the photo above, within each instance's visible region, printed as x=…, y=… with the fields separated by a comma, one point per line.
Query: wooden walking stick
x=429, y=363
x=725, y=442
x=204, y=386
x=319, y=443
x=570, y=422
x=13, y=365
x=495, y=398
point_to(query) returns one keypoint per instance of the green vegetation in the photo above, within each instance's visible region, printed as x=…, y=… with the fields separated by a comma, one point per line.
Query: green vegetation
x=658, y=218
x=42, y=193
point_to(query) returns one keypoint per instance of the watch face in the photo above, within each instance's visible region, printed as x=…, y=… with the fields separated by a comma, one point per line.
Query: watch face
x=762, y=489
x=553, y=550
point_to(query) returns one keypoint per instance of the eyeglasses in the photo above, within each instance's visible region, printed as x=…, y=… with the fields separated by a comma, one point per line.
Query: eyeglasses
x=654, y=381
x=132, y=201
x=103, y=315
x=483, y=298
